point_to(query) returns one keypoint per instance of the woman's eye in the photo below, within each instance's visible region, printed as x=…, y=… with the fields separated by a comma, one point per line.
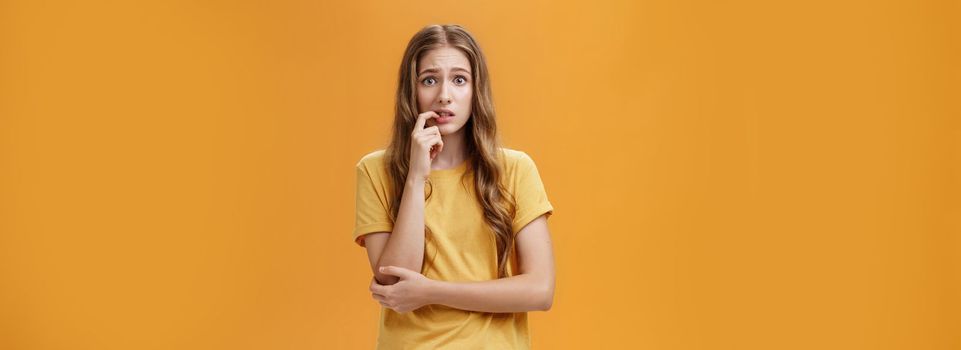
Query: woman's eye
x=460, y=80
x=429, y=81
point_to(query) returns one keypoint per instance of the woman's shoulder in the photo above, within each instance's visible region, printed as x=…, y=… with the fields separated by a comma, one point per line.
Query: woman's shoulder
x=374, y=164
x=372, y=158
x=515, y=159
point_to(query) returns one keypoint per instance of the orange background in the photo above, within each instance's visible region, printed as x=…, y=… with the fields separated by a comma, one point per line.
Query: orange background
x=726, y=175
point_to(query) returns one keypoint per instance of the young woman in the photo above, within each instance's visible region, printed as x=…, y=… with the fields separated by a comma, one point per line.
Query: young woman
x=455, y=226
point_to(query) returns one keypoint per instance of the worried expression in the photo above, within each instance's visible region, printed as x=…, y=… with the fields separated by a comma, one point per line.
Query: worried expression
x=444, y=86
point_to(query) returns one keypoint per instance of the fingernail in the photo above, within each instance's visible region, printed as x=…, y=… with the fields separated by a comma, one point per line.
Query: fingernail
x=381, y=269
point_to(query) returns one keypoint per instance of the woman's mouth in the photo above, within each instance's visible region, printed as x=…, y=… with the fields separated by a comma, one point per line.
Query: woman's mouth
x=444, y=117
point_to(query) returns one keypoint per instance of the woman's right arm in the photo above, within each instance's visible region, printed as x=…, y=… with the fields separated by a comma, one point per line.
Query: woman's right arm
x=404, y=246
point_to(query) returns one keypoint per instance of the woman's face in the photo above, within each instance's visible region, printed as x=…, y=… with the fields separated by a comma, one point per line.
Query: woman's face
x=444, y=86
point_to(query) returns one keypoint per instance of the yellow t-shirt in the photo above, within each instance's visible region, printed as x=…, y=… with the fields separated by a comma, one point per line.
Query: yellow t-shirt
x=462, y=249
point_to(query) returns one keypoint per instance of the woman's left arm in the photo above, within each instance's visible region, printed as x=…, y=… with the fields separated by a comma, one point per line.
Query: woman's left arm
x=530, y=290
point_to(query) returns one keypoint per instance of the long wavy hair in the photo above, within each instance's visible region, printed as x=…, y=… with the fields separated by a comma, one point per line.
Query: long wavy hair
x=484, y=156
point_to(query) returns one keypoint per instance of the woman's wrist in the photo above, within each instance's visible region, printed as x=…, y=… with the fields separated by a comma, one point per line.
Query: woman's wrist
x=414, y=182
x=436, y=291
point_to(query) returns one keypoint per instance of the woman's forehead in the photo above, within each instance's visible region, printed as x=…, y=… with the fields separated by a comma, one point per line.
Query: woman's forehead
x=443, y=59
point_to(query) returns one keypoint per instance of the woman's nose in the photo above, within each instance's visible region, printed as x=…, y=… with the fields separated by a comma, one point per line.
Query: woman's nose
x=445, y=94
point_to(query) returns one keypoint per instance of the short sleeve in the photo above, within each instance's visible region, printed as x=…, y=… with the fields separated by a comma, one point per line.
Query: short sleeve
x=529, y=194
x=371, y=206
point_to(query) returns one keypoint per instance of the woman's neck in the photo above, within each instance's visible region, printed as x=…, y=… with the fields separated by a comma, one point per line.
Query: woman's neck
x=453, y=153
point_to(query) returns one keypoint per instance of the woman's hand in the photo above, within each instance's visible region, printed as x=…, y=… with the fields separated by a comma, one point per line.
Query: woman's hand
x=412, y=291
x=425, y=144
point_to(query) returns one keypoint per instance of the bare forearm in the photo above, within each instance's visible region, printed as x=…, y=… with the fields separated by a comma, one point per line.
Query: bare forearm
x=405, y=246
x=520, y=293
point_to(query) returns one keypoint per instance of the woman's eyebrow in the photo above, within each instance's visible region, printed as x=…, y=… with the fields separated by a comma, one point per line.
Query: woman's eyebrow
x=435, y=70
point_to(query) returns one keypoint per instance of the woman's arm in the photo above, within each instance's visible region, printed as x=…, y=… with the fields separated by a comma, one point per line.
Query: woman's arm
x=404, y=247
x=531, y=290
x=520, y=293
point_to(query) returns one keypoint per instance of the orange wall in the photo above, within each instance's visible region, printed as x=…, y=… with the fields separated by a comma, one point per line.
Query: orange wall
x=726, y=175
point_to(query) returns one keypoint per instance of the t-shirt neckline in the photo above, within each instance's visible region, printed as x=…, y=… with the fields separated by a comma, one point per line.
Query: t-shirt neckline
x=450, y=172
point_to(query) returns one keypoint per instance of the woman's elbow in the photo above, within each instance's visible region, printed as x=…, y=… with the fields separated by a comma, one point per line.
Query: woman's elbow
x=546, y=299
x=385, y=279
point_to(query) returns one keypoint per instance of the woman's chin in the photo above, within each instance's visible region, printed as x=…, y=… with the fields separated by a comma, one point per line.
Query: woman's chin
x=447, y=129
